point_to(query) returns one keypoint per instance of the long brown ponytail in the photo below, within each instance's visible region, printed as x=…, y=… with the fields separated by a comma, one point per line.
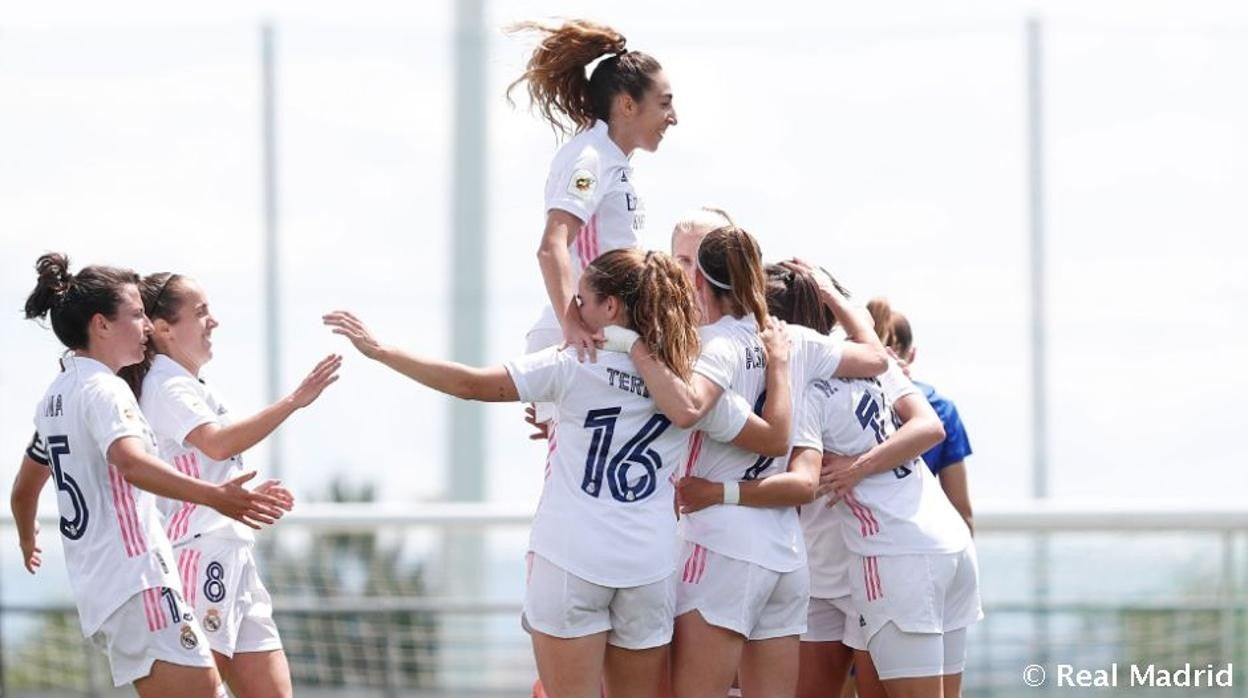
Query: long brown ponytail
x=659, y=300
x=730, y=260
x=556, y=72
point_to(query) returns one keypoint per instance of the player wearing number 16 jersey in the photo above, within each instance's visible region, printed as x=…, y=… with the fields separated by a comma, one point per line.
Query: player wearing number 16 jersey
x=600, y=596
x=196, y=433
x=93, y=441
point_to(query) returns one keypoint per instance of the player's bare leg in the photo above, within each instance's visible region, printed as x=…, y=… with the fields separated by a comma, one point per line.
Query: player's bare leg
x=866, y=678
x=256, y=674
x=168, y=679
x=822, y=669
x=635, y=673
x=953, y=685
x=570, y=667
x=769, y=667
x=705, y=658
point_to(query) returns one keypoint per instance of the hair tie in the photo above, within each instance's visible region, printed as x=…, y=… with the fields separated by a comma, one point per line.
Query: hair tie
x=710, y=279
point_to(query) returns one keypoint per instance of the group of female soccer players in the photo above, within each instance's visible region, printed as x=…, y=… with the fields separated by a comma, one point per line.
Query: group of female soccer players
x=733, y=495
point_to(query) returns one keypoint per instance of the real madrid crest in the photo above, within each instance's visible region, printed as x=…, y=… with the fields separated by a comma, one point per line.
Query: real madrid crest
x=212, y=620
x=189, y=641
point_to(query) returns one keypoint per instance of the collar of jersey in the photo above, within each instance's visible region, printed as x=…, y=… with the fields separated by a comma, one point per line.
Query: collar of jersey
x=86, y=364
x=163, y=363
x=599, y=133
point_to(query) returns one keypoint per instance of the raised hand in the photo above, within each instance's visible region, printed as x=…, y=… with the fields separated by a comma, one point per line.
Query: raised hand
x=274, y=488
x=241, y=504
x=321, y=377
x=776, y=340
x=354, y=329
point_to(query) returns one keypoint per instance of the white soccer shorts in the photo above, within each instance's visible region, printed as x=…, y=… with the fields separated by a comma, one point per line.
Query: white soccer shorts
x=741, y=596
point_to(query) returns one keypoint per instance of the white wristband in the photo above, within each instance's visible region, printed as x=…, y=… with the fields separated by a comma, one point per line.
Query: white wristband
x=732, y=492
x=618, y=338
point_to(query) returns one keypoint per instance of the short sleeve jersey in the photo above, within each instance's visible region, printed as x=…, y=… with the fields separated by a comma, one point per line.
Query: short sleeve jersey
x=957, y=445
x=110, y=530
x=902, y=511
x=606, y=513
x=591, y=178
x=175, y=404
x=734, y=359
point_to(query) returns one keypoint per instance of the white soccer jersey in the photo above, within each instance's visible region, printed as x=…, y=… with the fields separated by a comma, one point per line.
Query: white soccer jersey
x=175, y=403
x=734, y=359
x=110, y=529
x=899, y=512
x=592, y=179
x=606, y=513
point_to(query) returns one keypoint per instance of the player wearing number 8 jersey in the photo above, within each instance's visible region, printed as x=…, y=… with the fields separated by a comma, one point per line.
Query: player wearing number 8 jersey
x=196, y=433
x=603, y=547
x=93, y=441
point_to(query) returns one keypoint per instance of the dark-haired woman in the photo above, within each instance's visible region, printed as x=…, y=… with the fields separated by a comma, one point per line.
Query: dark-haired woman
x=601, y=594
x=93, y=441
x=742, y=598
x=591, y=204
x=893, y=570
x=195, y=431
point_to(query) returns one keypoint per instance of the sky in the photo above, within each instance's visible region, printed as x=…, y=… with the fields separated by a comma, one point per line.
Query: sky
x=886, y=142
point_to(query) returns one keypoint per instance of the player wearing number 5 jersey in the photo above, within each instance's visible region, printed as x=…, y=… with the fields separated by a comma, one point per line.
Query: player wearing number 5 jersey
x=742, y=598
x=601, y=591
x=196, y=433
x=912, y=572
x=92, y=440
x=591, y=205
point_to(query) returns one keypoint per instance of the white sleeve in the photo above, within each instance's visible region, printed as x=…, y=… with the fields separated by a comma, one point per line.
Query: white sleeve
x=726, y=419
x=175, y=409
x=895, y=384
x=717, y=361
x=37, y=450
x=111, y=413
x=575, y=185
x=810, y=419
x=823, y=354
x=542, y=376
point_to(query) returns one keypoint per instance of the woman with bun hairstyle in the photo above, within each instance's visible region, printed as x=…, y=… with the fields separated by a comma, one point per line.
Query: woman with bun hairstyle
x=195, y=431
x=591, y=205
x=92, y=440
x=602, y=551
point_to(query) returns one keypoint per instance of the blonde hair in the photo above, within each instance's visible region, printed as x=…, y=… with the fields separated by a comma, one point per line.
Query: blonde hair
x=700, y=221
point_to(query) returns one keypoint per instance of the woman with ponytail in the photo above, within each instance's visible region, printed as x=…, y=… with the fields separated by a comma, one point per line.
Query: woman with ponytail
x=93, y=441
x=591, y=205
x=195, y=431
x=742, y=602
x=602, y=552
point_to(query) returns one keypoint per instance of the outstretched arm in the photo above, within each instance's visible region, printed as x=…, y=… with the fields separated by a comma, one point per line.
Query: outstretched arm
x=492, y=384
x=147, y=472
x=24, y=502
x=220, y=442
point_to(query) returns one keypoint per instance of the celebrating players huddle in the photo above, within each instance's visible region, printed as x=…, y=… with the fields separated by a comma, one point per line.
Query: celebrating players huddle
x=734, y=494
